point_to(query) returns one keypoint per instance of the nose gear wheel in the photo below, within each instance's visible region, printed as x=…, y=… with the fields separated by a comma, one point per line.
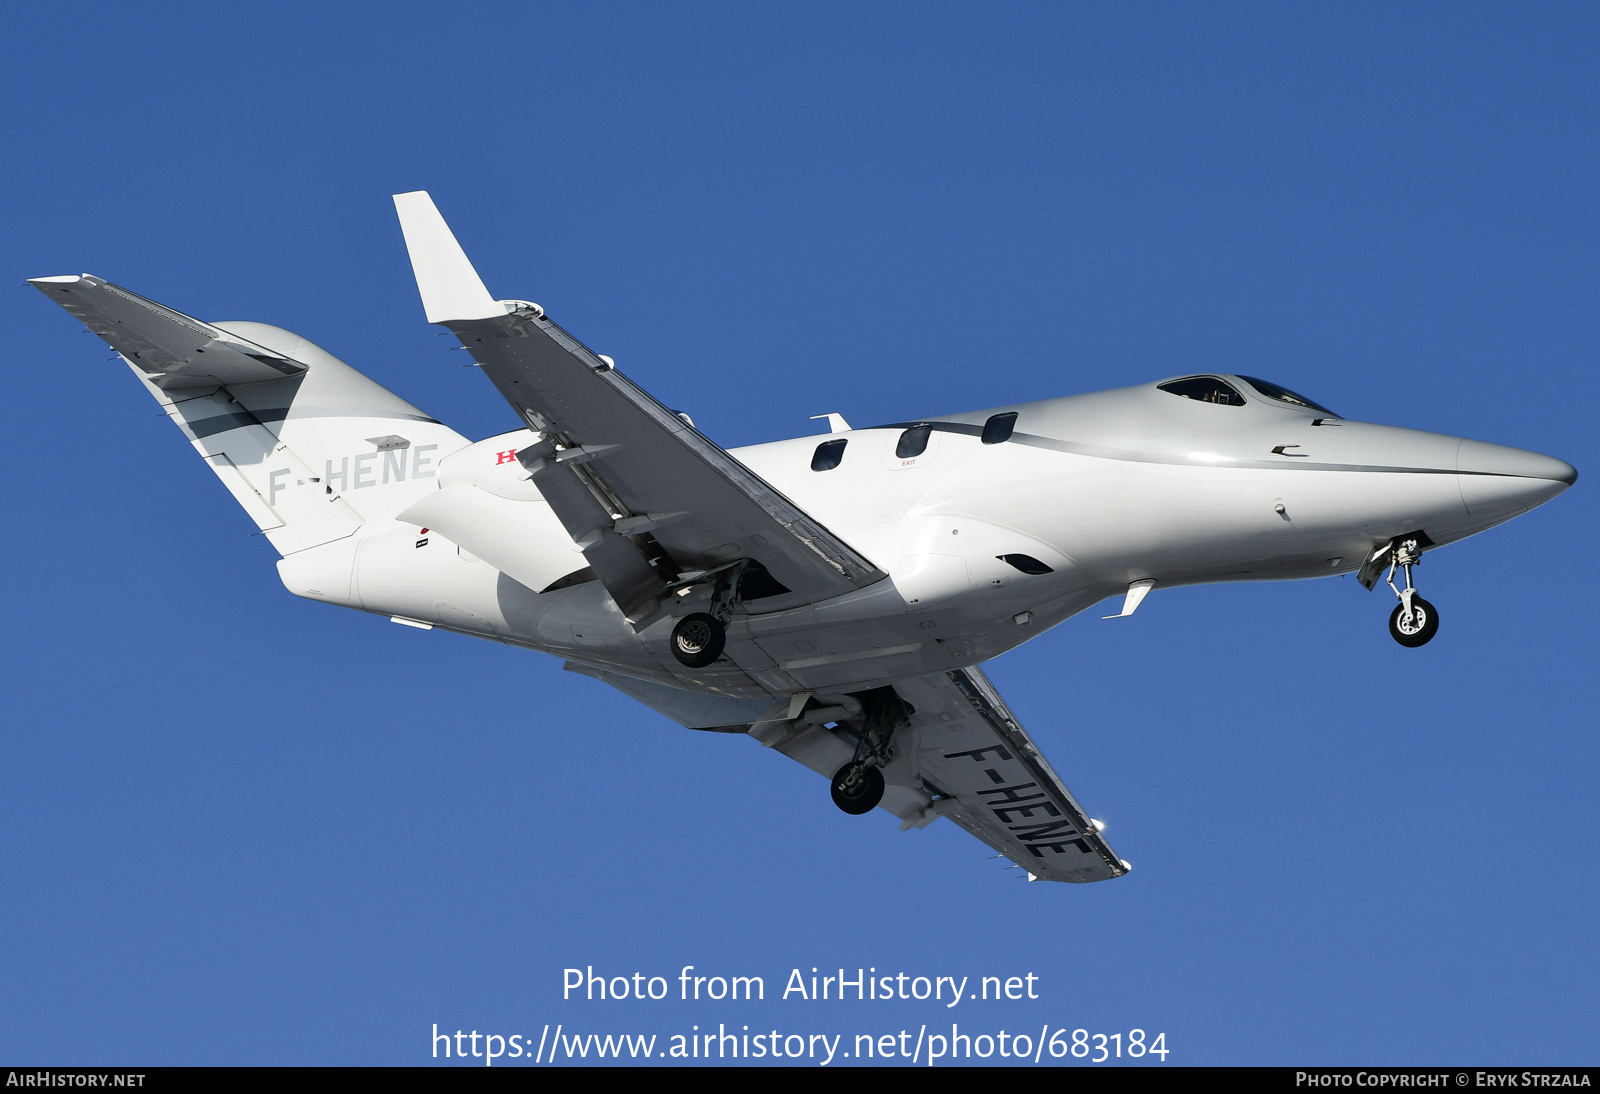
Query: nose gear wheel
x=1413, y=628
x=1414, y=621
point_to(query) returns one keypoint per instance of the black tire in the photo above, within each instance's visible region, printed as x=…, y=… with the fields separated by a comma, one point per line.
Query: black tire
x=1417, y=631
x=857, y=789
x=698, y=639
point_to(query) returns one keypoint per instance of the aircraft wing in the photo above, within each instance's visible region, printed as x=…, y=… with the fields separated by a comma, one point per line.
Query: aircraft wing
x=965, y=756
x=989, y=777
x=645, y=495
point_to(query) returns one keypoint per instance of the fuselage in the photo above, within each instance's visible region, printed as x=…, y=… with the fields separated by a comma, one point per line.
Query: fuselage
x=832, y=597
x=985, y=544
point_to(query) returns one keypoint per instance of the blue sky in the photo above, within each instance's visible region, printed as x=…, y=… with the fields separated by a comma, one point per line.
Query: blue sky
x=243, y=828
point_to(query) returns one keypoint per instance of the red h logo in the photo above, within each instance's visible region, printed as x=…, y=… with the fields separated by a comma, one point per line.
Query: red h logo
x=508, y=456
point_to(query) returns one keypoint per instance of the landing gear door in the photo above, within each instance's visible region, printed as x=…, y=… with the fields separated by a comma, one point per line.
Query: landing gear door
x=1373, y=566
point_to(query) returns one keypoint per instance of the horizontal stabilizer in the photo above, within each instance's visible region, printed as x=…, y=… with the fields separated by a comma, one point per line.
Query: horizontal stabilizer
x=173, y=350
x=450, y=287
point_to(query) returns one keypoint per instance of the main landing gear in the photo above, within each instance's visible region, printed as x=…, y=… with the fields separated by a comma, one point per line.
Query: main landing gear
x=857, y=787
x=1414, y=620
x=698, y=639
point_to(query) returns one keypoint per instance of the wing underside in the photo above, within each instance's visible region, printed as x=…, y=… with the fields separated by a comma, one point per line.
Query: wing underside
x=962, y=754
x=650, y=501
x=991, y=779
x=645, y=494
x=653, y=504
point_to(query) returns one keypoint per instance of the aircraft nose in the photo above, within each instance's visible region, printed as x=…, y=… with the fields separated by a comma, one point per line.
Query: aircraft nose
x=1498, y=459
x=1498, y=482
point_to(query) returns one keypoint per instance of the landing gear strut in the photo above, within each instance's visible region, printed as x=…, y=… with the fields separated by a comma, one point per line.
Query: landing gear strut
x=698, y=639
x=858, y=785
x=1414, y=620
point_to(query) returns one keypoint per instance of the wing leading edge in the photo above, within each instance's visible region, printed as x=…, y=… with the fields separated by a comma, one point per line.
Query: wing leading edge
x=651, y=502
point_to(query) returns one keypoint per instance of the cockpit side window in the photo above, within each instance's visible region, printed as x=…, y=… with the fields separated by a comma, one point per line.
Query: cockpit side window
x=1205, y=389
x=1284, y=395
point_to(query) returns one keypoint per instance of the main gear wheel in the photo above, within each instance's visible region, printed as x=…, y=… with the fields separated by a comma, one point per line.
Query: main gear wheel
x=857, y=788
x=698, y=639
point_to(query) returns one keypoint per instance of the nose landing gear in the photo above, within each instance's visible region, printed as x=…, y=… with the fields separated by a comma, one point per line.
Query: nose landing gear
x=1417, y=626
x=1414, y=621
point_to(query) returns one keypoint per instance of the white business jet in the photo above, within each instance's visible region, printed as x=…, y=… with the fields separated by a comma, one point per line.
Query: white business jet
x=830, y=598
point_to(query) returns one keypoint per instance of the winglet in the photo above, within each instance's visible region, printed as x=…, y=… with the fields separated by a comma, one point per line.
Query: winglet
x=450, y=287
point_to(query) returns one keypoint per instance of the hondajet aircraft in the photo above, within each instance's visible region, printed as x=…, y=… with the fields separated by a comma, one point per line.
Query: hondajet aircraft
x=830, y=598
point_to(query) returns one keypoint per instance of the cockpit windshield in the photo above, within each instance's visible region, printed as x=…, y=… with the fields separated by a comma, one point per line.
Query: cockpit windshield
x=1284, y=395
x=1204, y=389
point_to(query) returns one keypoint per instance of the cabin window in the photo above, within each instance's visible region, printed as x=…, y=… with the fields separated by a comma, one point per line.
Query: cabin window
x=1026, y=563
x=1204, y=389
x=1284, y=395
x=828, y=455
x=998, y=428
x=913, y=442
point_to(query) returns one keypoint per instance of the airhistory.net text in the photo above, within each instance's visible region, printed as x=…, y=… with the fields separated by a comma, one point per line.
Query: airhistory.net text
x=863, y=985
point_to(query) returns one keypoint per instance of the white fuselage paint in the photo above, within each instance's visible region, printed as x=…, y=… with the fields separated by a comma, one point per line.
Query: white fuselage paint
x=1105, y=489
